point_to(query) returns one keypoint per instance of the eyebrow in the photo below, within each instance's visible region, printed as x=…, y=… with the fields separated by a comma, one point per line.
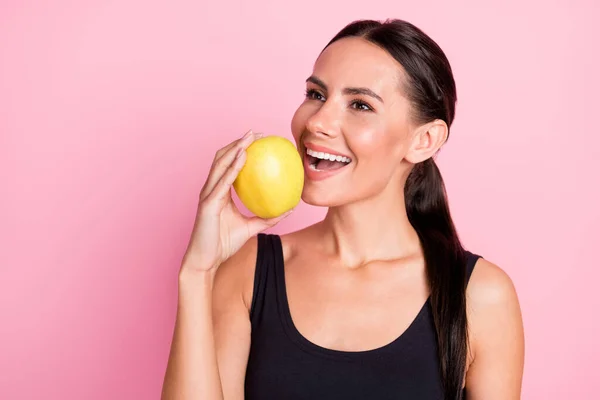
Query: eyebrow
x=351, y=90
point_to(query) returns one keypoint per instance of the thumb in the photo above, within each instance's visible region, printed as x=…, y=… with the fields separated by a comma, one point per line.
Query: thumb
x=258, y=224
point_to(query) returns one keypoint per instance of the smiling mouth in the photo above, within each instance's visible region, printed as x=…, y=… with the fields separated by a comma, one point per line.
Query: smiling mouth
x=320, y=161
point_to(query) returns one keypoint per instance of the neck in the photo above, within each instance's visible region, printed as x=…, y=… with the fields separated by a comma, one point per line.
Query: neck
x=374, y=229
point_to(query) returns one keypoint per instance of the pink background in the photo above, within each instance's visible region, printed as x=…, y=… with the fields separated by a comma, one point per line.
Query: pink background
x=110, y=112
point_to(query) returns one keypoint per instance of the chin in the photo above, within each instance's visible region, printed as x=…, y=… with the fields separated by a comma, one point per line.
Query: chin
x=334, y=192
x=322, y=197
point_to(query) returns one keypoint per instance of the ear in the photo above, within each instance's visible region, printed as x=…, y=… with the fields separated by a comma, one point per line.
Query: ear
x=427, y=140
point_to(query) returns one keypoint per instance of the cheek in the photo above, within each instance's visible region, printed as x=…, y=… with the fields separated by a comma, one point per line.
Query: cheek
x=369, y=140
x=378, y=148
x=298, y=123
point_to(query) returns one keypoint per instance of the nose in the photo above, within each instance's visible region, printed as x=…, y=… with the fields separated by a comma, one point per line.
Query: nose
x=324, y=121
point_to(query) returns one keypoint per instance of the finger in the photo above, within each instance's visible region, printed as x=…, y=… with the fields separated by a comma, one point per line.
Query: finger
x=209, y=183
x=222, y=189
x=257, y=224
x=220, y=166
x=223, y=162
x=225, y=149
x=235, y=143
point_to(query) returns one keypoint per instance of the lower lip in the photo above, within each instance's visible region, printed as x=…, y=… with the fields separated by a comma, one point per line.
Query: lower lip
x=316, y=175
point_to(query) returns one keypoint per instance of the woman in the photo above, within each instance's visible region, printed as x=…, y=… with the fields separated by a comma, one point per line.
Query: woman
x=377, y=301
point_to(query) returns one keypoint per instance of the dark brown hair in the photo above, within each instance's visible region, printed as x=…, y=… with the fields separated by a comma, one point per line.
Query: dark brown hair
x=431, y=89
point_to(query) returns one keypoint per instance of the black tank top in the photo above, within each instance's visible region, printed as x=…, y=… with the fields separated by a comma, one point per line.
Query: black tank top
x=284, y=365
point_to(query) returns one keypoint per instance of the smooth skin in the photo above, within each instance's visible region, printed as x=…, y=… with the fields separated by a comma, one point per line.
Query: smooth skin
x=363, y=260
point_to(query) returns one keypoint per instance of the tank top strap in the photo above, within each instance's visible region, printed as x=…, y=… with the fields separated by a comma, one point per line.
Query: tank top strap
x=471, y=261
x=264, y=297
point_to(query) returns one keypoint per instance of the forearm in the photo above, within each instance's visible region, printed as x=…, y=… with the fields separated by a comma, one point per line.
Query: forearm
x=192, y=371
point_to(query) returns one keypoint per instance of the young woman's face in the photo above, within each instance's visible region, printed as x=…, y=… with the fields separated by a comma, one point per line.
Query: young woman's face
x=354, y=110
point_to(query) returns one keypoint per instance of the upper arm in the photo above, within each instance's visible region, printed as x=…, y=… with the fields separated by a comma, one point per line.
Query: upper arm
x=496, y=335
x=231, y=321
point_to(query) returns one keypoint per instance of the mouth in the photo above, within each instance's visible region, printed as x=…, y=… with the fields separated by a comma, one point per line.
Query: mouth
x=321, y=161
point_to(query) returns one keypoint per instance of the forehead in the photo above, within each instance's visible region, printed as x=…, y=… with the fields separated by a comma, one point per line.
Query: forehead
x=356, y=62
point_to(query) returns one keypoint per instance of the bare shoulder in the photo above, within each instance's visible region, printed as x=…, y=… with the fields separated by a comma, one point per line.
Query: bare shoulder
x=232, y=328
x=235, y=277
x=495, y=334
x=490, y=286
x=492, y=301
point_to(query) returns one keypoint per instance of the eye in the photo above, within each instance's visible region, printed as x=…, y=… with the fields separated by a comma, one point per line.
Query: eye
x=361, y=105
x=313, y=94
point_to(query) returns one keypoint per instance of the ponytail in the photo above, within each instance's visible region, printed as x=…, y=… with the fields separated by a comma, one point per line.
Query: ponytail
x=428, y=212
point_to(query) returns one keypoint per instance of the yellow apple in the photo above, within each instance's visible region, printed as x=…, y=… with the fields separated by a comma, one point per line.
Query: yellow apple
x=272, y=178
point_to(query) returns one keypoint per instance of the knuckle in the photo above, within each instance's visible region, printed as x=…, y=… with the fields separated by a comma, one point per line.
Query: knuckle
x=206, y=207
x=225, y=181
x=232, y=173
x=220, y=153
x=218, y=163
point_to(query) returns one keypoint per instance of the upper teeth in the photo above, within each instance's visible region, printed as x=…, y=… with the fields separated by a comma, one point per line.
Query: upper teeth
x=327, y=156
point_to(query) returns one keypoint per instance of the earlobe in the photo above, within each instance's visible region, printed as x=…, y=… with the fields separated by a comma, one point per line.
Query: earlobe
x=428, y=139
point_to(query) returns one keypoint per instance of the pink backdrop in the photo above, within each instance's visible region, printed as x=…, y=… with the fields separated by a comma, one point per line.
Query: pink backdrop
x=110, y=112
